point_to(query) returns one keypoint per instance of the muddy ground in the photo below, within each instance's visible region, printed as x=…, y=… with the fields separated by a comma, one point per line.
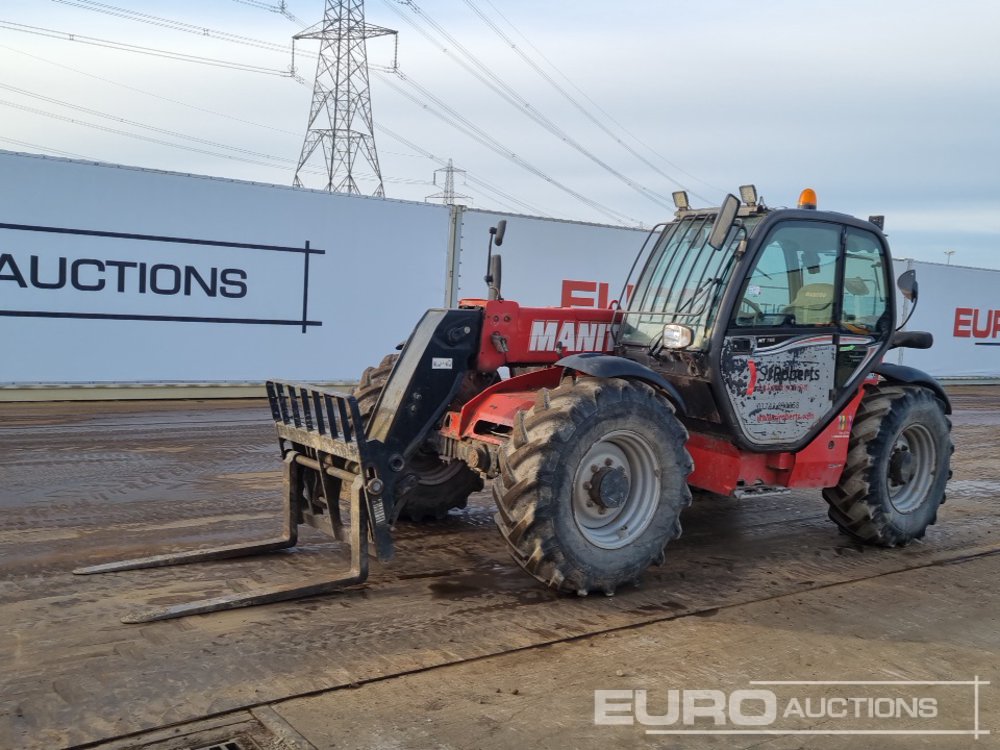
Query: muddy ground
x=451, y=645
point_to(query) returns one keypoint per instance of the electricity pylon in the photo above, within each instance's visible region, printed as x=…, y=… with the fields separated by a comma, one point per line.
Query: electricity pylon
x=448, y=196
x=341, y=129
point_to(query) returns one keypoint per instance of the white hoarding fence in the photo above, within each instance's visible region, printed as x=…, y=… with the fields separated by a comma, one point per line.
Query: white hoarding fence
x=120, y=275
x=111, y=274
x=961, y=307
x=548, y=262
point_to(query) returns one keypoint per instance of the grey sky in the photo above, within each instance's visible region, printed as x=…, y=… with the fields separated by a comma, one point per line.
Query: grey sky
x=889, y=107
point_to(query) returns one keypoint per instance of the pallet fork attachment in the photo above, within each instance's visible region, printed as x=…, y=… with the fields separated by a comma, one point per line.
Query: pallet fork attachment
x=327, y=458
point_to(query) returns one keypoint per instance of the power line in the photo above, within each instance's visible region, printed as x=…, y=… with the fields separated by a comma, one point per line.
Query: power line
x=395, y=180
x=497, y=194
x=497, y=203
x=421, y=153
x=121, y=46
x=51, y=150
x=485, y=75
x=287, y=162
x=596, y=105
x=141, y=126
x=137, y=90
x=471, y=130
x=178, y=102
x=281, y=9
x=193, y=28
x=470, y=178
x=616, y=216
x=262, y=6
x=137, y=136
x=166, y=23
x=524, y=206
x=572, y=100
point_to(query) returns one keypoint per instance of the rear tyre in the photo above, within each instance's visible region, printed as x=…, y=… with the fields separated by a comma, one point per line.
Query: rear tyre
x=898, y=463
x=592, y=483
x=440, y=486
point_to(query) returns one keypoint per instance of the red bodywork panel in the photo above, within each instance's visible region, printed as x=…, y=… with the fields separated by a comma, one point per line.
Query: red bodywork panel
x=721, y=467
x=538, y=335
x=499, y=404
x=543, y=335
x=531, y=336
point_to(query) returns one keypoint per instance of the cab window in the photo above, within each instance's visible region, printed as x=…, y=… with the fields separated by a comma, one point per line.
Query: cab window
x=793, y=282
x=865, y=304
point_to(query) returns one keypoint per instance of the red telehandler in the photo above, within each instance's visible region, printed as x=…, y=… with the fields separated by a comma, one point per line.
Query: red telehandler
x=747, y=361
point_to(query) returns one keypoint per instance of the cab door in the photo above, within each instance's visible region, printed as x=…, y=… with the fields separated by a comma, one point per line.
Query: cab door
x=779, y=357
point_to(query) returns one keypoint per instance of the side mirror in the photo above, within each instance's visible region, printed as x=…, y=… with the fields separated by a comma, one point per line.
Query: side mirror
x=494, y=278
x=498, y=232
x=907, y=284
x=723, y=222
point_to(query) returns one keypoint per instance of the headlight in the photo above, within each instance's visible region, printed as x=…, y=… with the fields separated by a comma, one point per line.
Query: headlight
x=677, y=337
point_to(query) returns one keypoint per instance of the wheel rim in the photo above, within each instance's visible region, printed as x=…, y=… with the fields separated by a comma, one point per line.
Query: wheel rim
x=911, y=468
x=616, y=490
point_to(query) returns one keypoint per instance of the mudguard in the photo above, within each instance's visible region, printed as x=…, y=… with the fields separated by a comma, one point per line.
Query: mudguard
x=600, y=365
x=913, y=376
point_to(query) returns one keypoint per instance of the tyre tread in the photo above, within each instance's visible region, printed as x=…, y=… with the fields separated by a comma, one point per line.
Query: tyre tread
x=523, y=504
x=855, y=503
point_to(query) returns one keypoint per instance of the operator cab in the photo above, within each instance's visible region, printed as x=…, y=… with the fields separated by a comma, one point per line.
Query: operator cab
x=768, y=330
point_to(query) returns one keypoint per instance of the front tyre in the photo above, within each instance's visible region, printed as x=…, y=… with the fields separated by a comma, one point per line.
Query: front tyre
x=592, y=483
x=898, y=464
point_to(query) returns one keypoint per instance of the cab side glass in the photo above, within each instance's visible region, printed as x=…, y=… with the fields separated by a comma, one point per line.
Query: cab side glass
x=793, y=281
x=866, y=288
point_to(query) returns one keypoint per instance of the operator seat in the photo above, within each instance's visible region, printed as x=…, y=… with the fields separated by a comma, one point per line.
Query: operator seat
x=813, y=305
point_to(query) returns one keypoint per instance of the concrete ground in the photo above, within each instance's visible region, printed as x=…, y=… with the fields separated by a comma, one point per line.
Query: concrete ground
x=451, y=645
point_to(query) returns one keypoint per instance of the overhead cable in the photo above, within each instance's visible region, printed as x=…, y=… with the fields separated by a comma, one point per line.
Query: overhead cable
x=167, y=54
x=620, y=128
x=486, y=76
x=461, y=123
x=166, y=23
